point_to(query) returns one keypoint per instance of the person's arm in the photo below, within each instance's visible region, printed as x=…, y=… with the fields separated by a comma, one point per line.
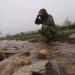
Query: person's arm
x=38, y=20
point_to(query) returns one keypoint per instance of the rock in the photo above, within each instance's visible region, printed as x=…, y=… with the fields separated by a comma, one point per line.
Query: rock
x=55, y=68
x=23, y=61
x=43, y=53
x=9, y=53
x=43, y=67
x=34, y=69
x=2, y=56
x=11, y=64
x=50, y=69
x=62, y=59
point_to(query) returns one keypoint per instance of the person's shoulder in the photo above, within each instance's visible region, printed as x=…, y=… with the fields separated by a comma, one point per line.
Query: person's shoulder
x=49, y=15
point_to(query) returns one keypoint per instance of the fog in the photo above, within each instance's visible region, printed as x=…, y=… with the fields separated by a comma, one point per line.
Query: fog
x=19, y=15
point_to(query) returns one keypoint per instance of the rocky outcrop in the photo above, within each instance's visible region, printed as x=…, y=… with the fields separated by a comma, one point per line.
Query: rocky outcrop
x=42, y=67
x=21, y=58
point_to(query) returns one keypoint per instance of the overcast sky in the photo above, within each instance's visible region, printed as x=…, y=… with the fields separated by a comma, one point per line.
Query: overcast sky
x=19, y=15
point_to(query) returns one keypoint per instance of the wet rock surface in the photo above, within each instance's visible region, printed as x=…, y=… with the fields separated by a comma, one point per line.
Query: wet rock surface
x=21, y=58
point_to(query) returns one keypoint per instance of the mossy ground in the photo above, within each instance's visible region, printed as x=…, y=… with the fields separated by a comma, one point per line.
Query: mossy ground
x=62, y=36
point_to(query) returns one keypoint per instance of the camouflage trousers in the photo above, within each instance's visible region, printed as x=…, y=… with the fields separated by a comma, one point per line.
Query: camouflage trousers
x=48, y=32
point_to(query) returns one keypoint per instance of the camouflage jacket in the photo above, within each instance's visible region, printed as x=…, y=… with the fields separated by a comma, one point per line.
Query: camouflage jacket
x=48, y=27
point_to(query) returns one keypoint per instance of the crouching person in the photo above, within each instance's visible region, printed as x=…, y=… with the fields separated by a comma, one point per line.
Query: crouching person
x=48, y=26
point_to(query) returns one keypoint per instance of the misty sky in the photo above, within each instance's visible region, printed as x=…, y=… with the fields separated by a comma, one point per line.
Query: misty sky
x=19, y=15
